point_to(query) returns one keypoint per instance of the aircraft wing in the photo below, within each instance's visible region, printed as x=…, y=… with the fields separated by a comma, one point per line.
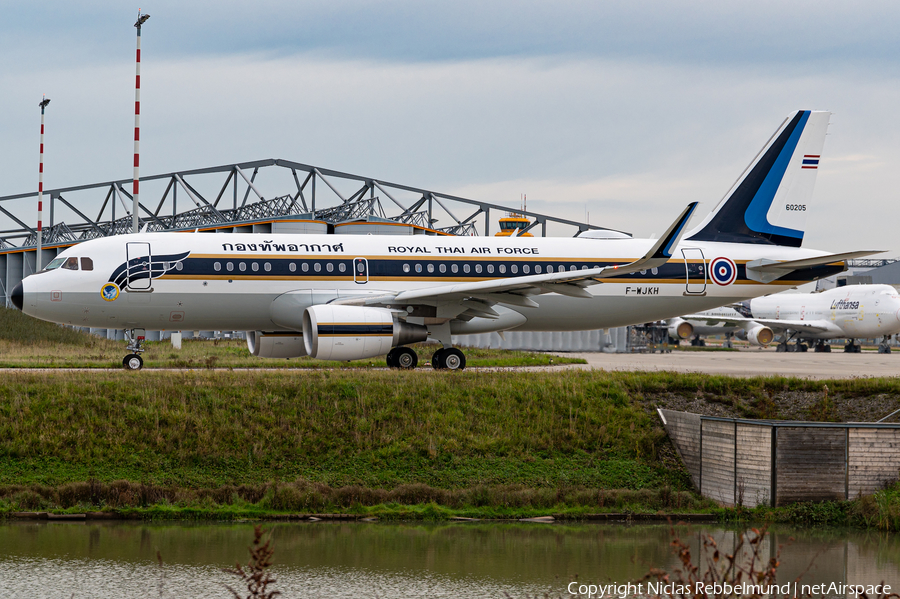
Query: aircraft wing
x=514, y=291
x=807, y=326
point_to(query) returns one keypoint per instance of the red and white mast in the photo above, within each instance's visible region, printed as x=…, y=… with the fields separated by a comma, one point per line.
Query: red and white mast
x=137, y=123
x=40, y=218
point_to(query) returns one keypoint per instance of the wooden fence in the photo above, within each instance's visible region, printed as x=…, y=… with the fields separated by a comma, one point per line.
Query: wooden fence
x=776, y=462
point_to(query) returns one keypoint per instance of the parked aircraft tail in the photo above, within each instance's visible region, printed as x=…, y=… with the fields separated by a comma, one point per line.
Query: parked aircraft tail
x=769, y=202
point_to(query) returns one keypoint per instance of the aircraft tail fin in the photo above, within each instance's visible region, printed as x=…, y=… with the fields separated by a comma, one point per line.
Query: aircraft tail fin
x=769, y=202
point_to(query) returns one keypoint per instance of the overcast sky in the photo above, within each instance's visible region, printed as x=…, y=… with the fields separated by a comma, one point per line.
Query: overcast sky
x=623, y=110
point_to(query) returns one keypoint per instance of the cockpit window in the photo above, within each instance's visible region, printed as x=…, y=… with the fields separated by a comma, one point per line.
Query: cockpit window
x=55, y=263
x=71, y=263
x=87, y=264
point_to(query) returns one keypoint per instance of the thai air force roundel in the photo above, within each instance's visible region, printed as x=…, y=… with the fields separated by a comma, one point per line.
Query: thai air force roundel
x=723, y=271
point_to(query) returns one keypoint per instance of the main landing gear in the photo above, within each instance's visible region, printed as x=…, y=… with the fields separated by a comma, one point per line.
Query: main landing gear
x=798, y=346
x=443, y=359
x=135, y=338
x=402, y=357
x=885, y=346
x=821, y=346
x=852, y=347
x=448, y=359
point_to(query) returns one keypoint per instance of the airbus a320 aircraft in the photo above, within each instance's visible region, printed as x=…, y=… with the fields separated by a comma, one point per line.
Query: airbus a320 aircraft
x=851, y=312
x=346, y=298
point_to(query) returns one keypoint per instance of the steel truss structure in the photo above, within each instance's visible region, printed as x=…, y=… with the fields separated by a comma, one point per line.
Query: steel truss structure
x=243, y=183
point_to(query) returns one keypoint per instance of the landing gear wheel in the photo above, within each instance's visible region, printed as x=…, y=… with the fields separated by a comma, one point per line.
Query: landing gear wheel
x=781, y=347
x=405, y=358
x=132, y=362
x=436, y=362
x=453, y=359
x=884, y=349
x=391, y=358
x=802, y=347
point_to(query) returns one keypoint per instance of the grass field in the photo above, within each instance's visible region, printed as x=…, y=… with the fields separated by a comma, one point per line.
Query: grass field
x=26, y=342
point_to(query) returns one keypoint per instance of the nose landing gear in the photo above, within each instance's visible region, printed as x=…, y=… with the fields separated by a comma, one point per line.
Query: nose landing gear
x=135, y=338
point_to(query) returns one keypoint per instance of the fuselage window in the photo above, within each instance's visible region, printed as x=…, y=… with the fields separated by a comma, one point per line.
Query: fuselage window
x=54, y=264
x=466, y=268
x=317, y=267
x=430, y=267
x=217, y=266
x=179, y=266
x=454, y=268
x=329, y=267
x=537, y=269
x=490, y=269
x=418, y=268
x=254, y=266
x=443, y=268
x=305, y=267
x=406, y=268
x=229, y=266
x=573, y=268
x=513, y=269
x=549, y=268
x=654, y=270
x=242, y=266
x=477, y=268
x=267, y=266
x=71, y=264
x=87, y=264
x=585, y=267
x=342, y=267
x=502, y=269
x=526, y=269
x=292, y=267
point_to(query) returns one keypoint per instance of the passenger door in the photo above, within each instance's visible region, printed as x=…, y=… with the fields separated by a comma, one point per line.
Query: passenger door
x=361, y=270
x=695, y=271
x=138, y=265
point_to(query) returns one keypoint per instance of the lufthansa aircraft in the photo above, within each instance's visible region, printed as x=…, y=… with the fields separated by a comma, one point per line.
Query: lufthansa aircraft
x=347, y=298
x=718, y=321
x=851, y=312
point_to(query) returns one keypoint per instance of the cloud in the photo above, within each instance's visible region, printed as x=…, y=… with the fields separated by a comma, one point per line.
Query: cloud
x=632, y=139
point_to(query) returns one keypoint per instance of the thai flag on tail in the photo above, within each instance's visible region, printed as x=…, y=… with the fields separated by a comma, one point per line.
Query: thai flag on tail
x=811, y=161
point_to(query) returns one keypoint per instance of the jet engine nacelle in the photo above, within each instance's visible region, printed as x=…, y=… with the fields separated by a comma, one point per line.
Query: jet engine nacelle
x=353, y=333
x=680, y=329
x=760, y=335
x=275, y=345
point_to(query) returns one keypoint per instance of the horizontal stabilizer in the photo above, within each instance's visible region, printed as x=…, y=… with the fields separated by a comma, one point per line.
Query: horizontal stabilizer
x=766, y=270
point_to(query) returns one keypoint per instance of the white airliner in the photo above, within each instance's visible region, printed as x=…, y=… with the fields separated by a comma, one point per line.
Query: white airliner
x=346, y=297
x=851, y=312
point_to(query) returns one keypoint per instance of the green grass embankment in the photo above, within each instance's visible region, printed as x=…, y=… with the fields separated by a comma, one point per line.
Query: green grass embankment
x=493, y=440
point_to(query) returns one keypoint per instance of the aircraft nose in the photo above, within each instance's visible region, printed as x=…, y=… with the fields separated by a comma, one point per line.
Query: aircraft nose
x=17, y=296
